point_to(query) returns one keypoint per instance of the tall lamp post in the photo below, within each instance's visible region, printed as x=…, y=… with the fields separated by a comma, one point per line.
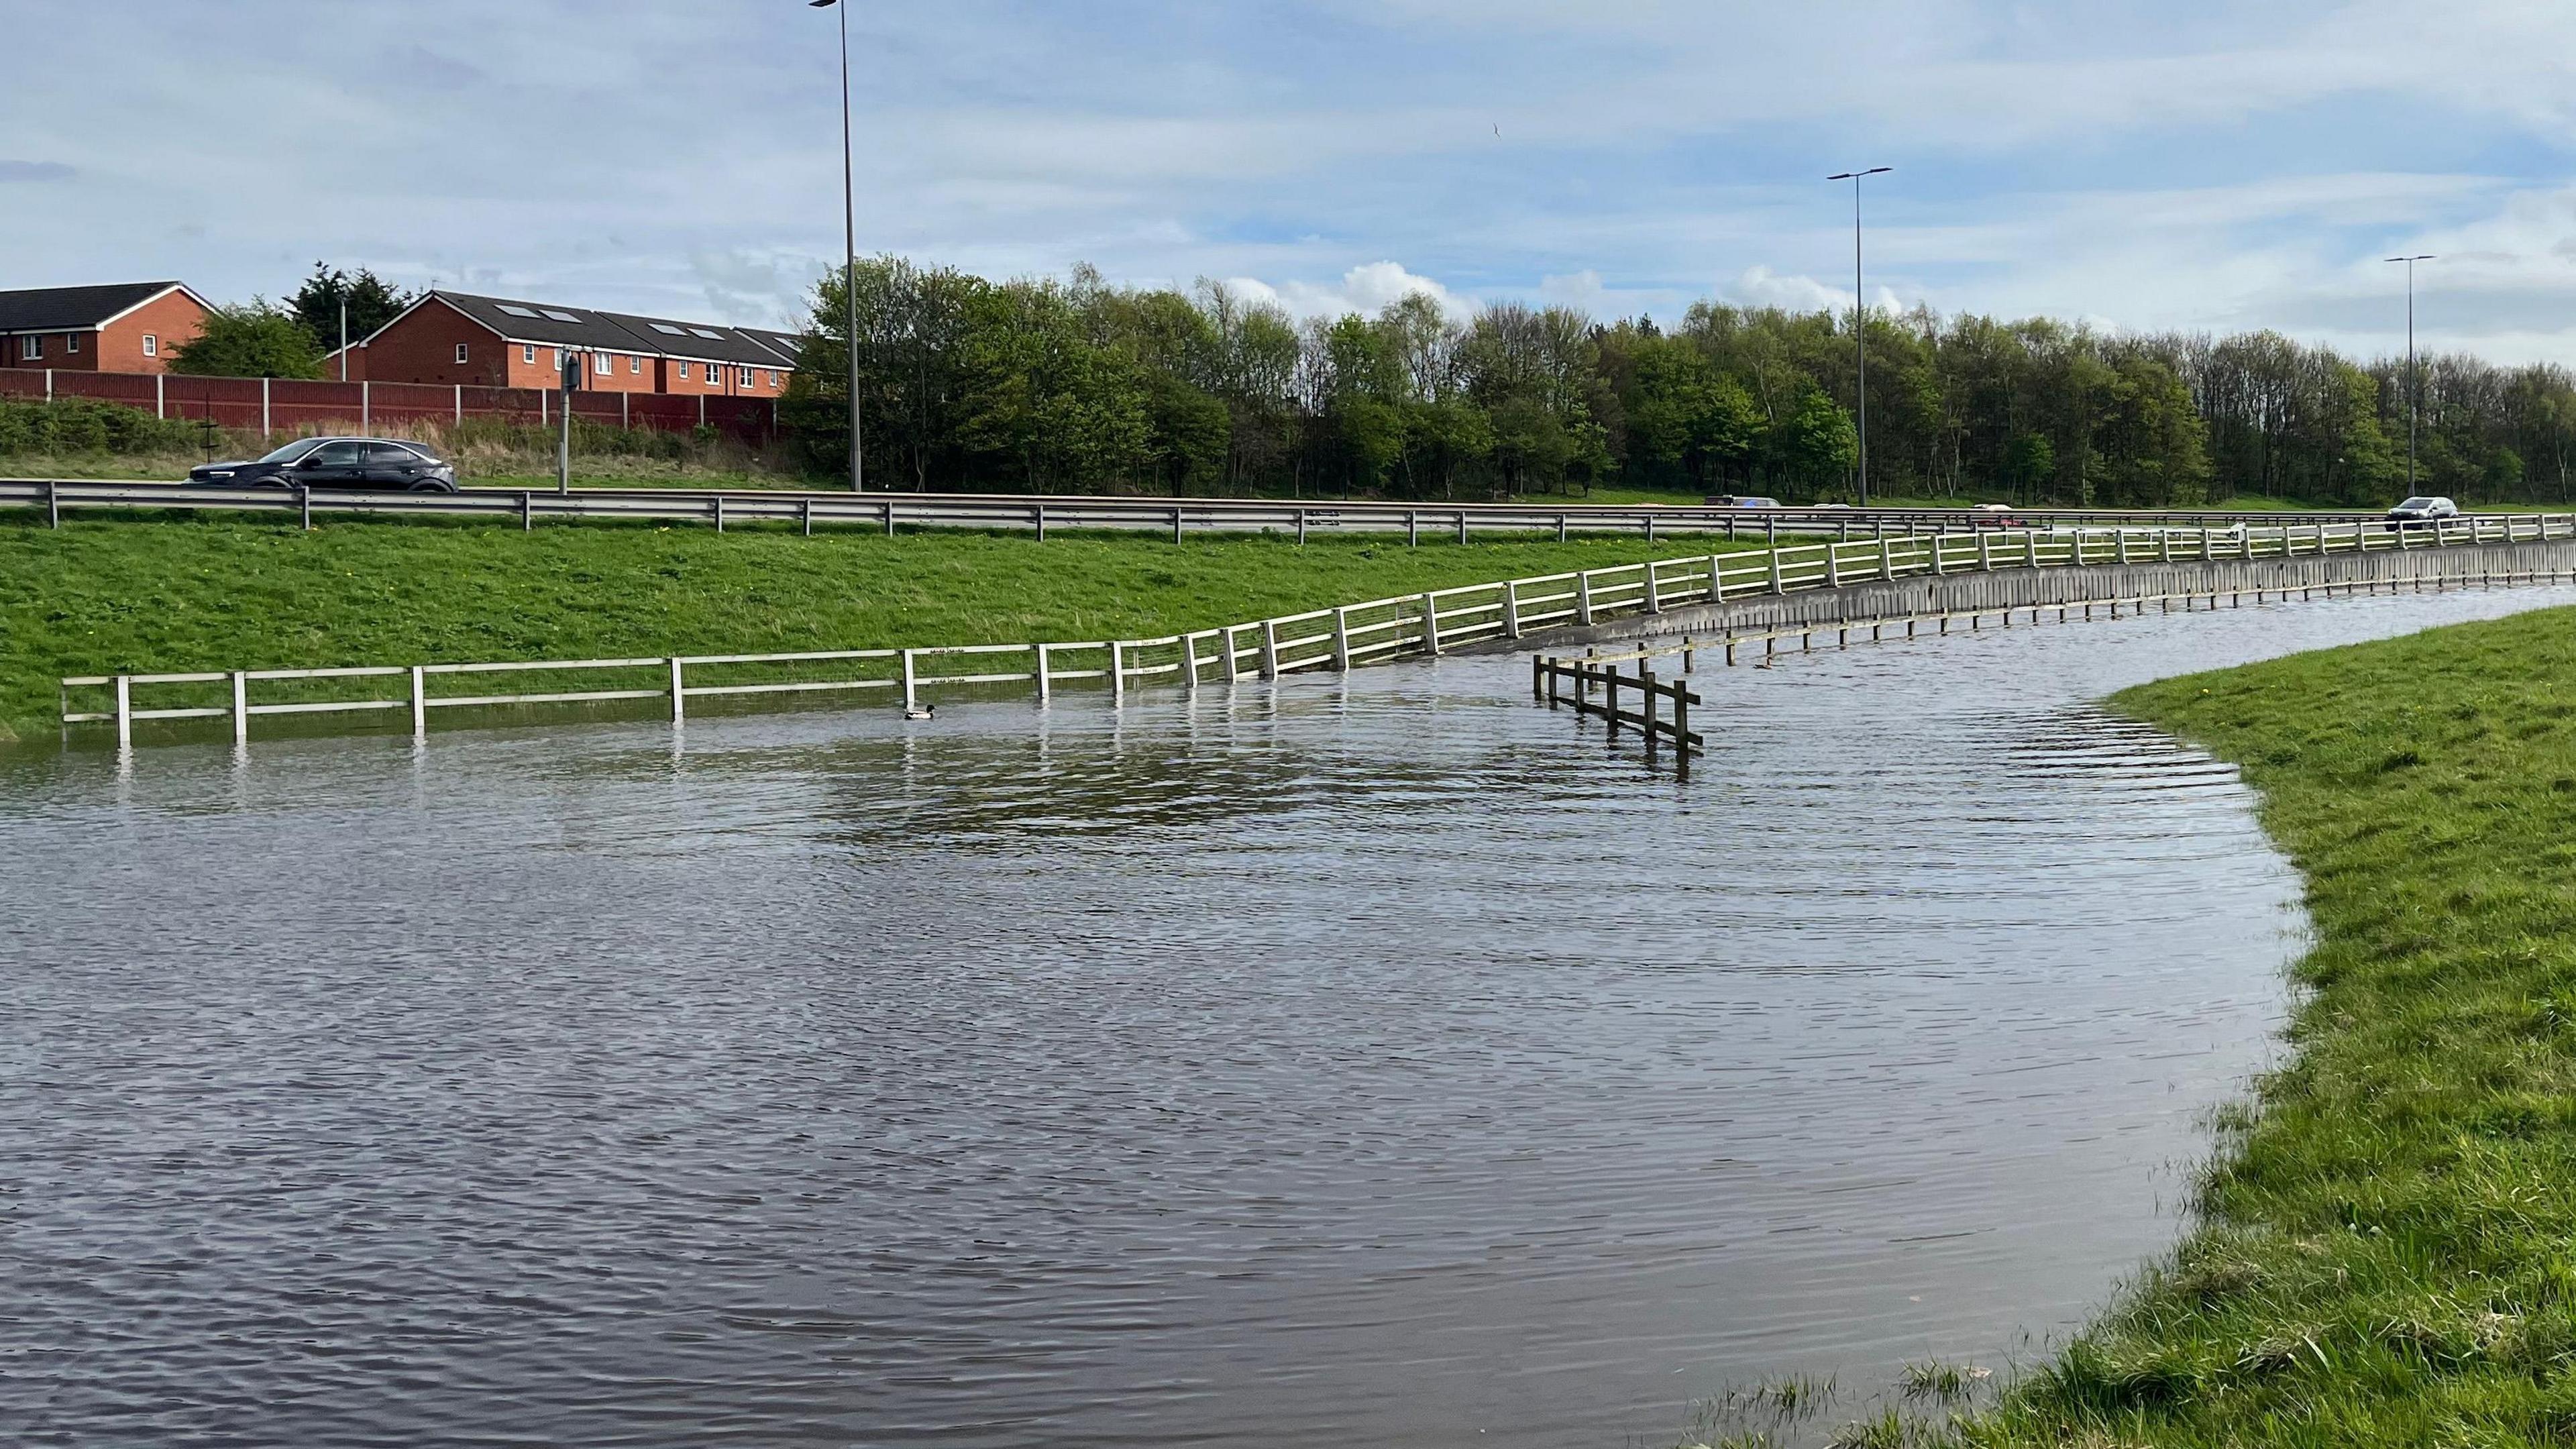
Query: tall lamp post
x=849, y=247
x=1860, y=322
x=2414, y=383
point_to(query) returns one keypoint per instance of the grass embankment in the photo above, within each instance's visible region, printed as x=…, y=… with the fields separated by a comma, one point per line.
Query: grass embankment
x=2388, y=1253
x=100, y=596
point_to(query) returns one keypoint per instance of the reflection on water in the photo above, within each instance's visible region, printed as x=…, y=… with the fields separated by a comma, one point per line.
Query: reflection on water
x=1372, y=1062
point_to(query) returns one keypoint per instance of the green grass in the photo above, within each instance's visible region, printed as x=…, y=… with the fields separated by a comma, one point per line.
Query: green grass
x=2386, y=1252
x=105, y=596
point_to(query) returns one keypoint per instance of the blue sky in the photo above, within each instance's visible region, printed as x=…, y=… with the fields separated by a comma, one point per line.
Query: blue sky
x=2135, y=165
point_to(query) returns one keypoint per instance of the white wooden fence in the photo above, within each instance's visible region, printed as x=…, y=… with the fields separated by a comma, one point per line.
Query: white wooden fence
x=1333, y=638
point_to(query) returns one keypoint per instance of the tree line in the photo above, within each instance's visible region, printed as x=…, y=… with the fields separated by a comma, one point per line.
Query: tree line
x=1076, y=385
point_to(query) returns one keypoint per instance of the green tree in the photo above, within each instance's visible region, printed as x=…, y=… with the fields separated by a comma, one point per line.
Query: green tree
x=370, y=301
x=1816, y=444
x=253, y=339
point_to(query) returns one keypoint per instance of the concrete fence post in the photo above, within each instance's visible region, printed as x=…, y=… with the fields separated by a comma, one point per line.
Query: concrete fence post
x=1654, y=590
x=1716, y=579
x=1833, y=567
x=1117, y=670
x=241, y=708
x=419, y=704
x=679, y=694
x=1779, y=585
x=1342, y=639
x=1430, y=624
x=1233, y=668
x=910, y=700
x=124, y=706
x=1270, y=649
x=1190, y=662
x=1511, y=610
x=1985, y=553
x=1045, y=673
x=1583, y=597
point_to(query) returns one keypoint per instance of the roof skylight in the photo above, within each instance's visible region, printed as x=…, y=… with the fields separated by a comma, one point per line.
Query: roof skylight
x=516, y=311
x=561, y=316
x=702, y=332
x=668, y=328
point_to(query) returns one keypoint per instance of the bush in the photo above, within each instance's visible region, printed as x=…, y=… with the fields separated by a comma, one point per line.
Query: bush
x=86, y=425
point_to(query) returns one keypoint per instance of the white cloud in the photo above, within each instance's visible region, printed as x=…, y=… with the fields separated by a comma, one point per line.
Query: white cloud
x=1363, y=289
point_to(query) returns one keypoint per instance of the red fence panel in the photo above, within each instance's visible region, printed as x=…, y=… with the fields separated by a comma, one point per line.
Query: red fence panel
x=297, y=404
x=233, y=402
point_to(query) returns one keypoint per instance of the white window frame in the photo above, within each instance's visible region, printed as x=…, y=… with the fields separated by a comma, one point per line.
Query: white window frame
x=635, y=365
x=684, y=372
x=460, y=352
x=151, y=344
x=71, y=344
x=528, y=353
x=31, y=348
x=605, y=362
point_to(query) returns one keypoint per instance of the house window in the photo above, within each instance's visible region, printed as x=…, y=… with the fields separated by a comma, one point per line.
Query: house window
x=528, y=352
x=151, y=345
x=31, y=348
x=773, y=377
x=635, y=364
x=684, y=372
x=71, y=343
x=460, y=352
x=602, y=359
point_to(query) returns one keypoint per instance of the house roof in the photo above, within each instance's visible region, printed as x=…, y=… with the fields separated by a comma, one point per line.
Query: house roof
x=72, y=309
x=590, y=329
x=785, y=344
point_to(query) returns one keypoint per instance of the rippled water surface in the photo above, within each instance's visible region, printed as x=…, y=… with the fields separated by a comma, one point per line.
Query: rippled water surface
x=1347, y=1063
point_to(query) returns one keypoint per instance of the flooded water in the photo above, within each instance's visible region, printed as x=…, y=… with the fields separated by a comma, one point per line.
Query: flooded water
x=1367, y=1062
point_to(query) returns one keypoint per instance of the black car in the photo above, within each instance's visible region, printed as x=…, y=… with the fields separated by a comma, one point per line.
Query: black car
x=336, y=463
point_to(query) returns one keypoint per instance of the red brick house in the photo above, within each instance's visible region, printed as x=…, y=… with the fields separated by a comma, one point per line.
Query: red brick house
x=120, y=327
x=457, y=337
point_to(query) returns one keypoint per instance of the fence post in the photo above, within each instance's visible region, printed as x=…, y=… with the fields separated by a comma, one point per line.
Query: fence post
x=1342, y=639
x=124, y=705
x=1233, y=670
x=460, y=402
x=909, y=700
x=49, y=384
x=264, y=428
x=1270, y=649
x=889, y=507
x=1716, y=579
x=1833, y=567
x=1117, y=670
x=2120, y=545
x=805, y=515
x=1779, y=585
x=1176, y=523
x=1654, y=589
x=679, y=693
x=241, y=708
x=527, y=510
x=366, y=407
x=1431, y=624
x=626, y=410
x=1301, y=527
x=1046, y=685
x=159, y=408
x=53, y=504
x=1985, y=553
x=304, y=504
x=1412, y=528
x=1939, y=537
x=718, y=501
x=1681, y=730
x=419, y=704
x=1040, y=513
x=1650, y=528
x=1886, y=559
x=1560, y=528
x=1462, y=525
x=1190, y=662
x=1511, y=610
x=2030, y=543
x=1645, y=687
x=1583, y=597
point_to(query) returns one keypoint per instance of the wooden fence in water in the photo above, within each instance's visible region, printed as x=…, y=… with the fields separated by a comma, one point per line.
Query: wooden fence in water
x=1337, y=638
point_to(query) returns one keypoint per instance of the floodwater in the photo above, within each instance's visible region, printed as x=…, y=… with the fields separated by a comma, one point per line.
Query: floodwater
x=1373, y=1062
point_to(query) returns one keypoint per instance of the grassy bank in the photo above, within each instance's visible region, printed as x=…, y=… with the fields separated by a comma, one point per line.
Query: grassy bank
x=104, y=596
x=2388, y=1253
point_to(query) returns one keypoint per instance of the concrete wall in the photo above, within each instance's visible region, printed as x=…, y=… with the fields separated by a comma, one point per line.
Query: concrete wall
x=2014, y=587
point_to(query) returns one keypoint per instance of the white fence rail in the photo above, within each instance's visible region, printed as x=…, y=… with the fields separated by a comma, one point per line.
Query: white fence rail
x=888, y=512
x=1333, y=638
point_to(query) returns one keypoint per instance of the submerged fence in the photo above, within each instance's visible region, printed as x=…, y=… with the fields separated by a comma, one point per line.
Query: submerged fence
x=1336, y=638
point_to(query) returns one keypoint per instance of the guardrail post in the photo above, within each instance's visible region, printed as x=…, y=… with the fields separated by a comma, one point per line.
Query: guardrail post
x=419, y=704
x=889, y=515
x=1462, y=525
x=1431, y=624
x=1511, y=609
x=1301, y=527
x=679, y=693
x=1046, y=684
x=53, y=504
x=1342, y=639
x=241, y=708
x=1583, y=597
x=1270, y=649
x=1560, y=528
x=1039, y=514
x=124, y=712
x=1117, y=670
x=805, y=515
x=527, y=512
x=1770, y=530
x=304, y=504
x=718, y=500
x=1412, y=529
x=1650, y=528
x=1176, y=523
x=1654, y=590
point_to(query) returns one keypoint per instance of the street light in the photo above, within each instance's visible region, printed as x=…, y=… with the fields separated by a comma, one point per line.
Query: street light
x=1860, y=322
x=849, y=246
x=2414, y=384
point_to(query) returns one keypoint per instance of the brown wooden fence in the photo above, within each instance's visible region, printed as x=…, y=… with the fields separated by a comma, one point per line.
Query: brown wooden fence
x=292, y=405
